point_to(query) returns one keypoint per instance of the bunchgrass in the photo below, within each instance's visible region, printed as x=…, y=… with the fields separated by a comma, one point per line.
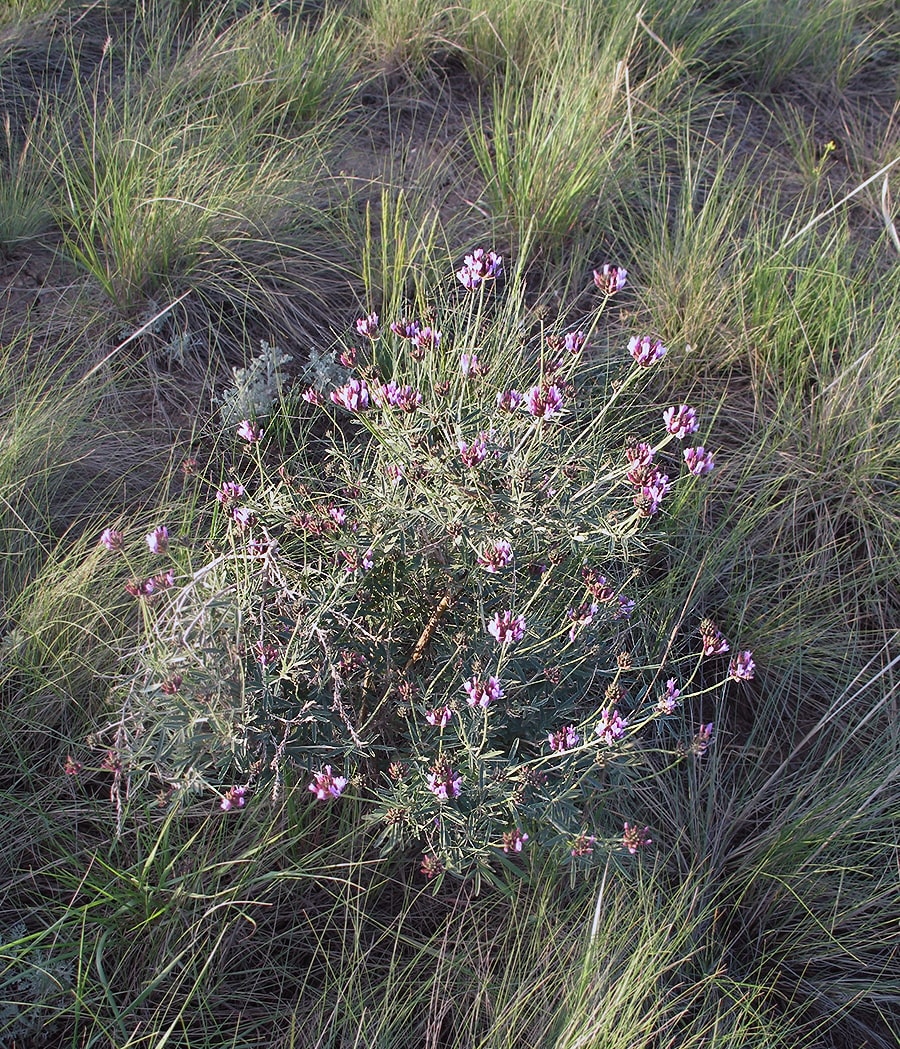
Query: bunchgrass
x=173, y=192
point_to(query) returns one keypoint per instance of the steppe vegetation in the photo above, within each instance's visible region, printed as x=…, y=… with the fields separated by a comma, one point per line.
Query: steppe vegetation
x=370, y=543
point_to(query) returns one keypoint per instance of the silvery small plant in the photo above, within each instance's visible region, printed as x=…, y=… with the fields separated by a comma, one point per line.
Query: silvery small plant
x=255, y=389
x=33, y=987
x=440, y=609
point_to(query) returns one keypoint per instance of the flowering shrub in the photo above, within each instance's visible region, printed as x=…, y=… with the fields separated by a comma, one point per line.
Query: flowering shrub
x=433, y=604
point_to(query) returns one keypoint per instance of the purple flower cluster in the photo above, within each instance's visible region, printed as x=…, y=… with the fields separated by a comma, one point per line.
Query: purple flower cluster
x=496, y=556
x=610, y=279
x=229, y=492
x=544, y=402
x=113, y=540
x=611, y=726
x=575, y=341
x=714, y=643
x=266, y=654
x=668, y=702
x=248, y=432
x=597, y=585
x=479, y=267
x=439, y=717
x=563, y=739
x=443, y=782
x=390, y=395
x=425, y=340
x=470, y=365
x=701, y=742
x=354, y=396
x=235, y=798
x=646, y=351
x=482, y=693
x=651, y=483
x=742, y=667
x=326, y=786
x=699, y=461
x=475, y=453
x=506, y=627
x=368, y=326
x=508, y=400
x=406, y=329
x=158, y=540
x=681, y=421
x=583, y=845
x=581, y=616
x=513, y=840
x=353, y=562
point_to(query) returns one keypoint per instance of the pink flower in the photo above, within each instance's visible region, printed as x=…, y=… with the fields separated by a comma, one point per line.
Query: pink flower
x=158, y=540
x=699, y=460
x=742, y=668
x=597, y=585
x=113, y=540
x=575, y=341
x=544, y=403
x=475, y=453
x=248, y=432
x=243, y=517
x=668, y=702
x=508, y=400
x=479, y=267
x=582, y=616
x=610, y=279
x=635, y=838
x=312, y=396
x=645, y=350
x=497, y=556
x=700, y=743
x=647, y=500
x=368, y=326
x=163, y=581
x=235, y=798
x=611, y=726
x=482, y=693
x=680, y=421
x=439, y=717
x=406, y=329
x=443, y=782
x=391, y=395
x=326, y=786
x=563, y=739
x=353, y=562
x=506, y=627
x=624, y=607
x=469, y=364
x=337, y=514
x=229, y=492
x=513, y=840
x=714, y=643
x=354, y=396
x=431, y=866
x=426, y=339
x=395, y=471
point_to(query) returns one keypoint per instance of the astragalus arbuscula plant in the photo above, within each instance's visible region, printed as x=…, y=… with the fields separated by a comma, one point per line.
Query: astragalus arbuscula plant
x=434, y=604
